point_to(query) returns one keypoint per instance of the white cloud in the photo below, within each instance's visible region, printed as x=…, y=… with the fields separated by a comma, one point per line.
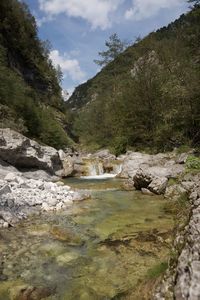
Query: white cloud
x=70, y=67
x=96, y=12
x=143, y=9
x=41, y=21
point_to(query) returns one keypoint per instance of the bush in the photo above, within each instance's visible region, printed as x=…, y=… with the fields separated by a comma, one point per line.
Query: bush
x=119, y=145
x=52, y=133
x=193, y=162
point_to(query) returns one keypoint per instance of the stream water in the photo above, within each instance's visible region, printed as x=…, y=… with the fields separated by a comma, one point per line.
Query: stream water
x=97, y=249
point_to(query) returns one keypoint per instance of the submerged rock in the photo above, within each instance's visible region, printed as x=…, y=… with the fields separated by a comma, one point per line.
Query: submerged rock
x=66, y=257
x=128, y=185
x=146, y=192
x=25, y=292
x=65, y=235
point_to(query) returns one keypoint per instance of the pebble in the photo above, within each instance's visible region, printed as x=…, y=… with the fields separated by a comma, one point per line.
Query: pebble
x=19, y=196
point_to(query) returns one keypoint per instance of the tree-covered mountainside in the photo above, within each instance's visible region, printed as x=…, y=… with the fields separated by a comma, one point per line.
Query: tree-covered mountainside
x=149, y=96
x=30, y=93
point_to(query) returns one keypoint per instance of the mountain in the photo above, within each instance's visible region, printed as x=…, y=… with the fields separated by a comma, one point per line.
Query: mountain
x=148, y=97
x=30, y=92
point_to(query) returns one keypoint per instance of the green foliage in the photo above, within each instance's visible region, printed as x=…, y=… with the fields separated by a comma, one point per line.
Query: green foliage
x=119, y=145
x=30, y=94
x=148, y=96
x=183, y=149
x=115, y=47
x=193, y=162
x=172, y=181
x=51, y=131
x=157, y=270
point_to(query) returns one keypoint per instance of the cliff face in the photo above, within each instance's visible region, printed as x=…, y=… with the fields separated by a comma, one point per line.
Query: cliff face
x=30, y=92
x=148, y=96
x=25, y=53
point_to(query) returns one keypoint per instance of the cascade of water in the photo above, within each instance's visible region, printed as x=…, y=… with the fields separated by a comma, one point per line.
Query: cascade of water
x=117, y=168
x=95, y=170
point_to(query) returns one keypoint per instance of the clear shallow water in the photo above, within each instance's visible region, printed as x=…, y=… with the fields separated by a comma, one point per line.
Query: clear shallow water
x=97, y=249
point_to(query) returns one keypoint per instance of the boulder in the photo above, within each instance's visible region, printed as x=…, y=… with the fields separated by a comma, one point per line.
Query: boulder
x=6, y=168
x=158, y=185
x=11, y=177
x=144, y=178
x=22, y=152
x=160, y=165
x=67, y=168
x=103, y=154
x=39, y=175
x=132, y=162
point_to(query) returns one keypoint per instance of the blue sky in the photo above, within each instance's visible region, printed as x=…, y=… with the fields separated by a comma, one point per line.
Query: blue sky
x=77, y=29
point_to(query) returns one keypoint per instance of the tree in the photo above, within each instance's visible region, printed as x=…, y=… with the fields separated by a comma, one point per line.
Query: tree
x=59, y=74
x=115, y=47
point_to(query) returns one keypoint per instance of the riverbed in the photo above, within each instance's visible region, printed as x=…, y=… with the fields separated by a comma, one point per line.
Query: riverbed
x=99, y=248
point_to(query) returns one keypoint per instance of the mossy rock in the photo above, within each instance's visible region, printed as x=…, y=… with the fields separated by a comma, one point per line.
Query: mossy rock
x=65, y=235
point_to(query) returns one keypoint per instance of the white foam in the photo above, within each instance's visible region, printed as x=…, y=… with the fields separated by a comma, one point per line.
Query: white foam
x=103, y=176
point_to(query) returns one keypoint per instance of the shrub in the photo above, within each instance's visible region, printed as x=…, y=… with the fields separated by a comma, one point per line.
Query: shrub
x=193, y=162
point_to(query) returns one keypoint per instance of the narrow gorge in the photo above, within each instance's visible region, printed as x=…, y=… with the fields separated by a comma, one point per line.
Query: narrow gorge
x=75, y=238
x=99, y=164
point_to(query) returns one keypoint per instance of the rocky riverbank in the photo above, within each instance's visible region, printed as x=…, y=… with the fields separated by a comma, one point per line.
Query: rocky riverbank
x=30, y=183
x=27, y=170
x=21, y=197
x=182, y=279
x=29, y=179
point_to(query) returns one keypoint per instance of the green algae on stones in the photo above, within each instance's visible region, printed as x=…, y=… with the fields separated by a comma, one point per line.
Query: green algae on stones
x=97, y=249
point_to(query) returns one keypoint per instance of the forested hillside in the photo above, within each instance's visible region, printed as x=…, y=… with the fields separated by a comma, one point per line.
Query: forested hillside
x=30, y=93
x=148, y=97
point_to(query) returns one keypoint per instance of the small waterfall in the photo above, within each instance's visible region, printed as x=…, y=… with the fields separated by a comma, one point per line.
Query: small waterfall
x=95, y=169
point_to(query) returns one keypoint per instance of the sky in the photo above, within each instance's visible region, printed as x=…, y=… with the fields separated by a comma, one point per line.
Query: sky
x=78, y=29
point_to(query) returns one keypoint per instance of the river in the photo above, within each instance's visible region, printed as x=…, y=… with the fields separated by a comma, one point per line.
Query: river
x=98, y=249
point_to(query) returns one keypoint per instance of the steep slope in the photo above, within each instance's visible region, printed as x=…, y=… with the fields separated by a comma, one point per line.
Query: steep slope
x=148, y=96
x=30, y=93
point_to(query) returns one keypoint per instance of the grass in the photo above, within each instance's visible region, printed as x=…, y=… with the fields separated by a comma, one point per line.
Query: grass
x=179, y=208
x=183, y=149
x=157, y=270
x=172, y=181
x=146, y=287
